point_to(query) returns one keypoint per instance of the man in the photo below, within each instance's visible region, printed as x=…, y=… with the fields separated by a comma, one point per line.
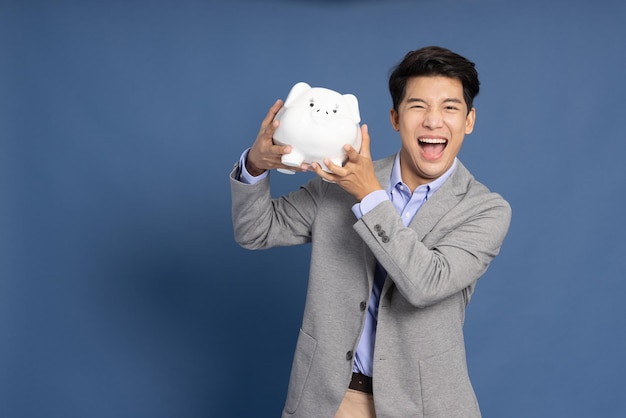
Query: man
x=397, y=247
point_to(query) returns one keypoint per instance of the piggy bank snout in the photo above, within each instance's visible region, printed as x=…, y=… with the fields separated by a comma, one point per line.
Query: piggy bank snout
x=322, y=115
x=326, y=109
x=325, y=113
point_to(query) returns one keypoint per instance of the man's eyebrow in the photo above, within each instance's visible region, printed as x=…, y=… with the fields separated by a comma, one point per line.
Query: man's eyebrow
x=453, y=100
x=415, y=99
x=448, y=100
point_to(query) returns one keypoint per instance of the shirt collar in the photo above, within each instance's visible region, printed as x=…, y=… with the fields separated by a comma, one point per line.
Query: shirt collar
x=431, y=187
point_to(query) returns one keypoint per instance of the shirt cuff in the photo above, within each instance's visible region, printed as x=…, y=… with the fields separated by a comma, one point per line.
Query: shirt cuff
x=369, y=202
x=246, y=177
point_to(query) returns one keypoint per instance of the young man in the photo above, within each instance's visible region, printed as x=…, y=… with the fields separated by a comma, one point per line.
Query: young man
x=397, y=247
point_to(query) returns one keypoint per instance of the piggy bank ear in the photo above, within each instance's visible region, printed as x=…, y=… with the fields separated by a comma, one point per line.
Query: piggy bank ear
x=296, y=91
x=353, y=106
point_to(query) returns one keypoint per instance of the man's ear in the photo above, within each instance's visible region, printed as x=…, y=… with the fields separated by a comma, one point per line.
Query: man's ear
x=470, y=120
x=394, y=119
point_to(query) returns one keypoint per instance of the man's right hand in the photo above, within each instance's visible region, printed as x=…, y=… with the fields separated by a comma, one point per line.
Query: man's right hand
x=264, y=155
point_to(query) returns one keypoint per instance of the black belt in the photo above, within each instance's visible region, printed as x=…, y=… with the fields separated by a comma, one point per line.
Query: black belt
x=361, y=383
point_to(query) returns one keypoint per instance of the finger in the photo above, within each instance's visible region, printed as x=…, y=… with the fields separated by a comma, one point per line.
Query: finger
x=272, y=112
x=269, y=123
x=317, y=168
x=334, y=168
x=365, y=142
x=351, y=153
x=280, y=150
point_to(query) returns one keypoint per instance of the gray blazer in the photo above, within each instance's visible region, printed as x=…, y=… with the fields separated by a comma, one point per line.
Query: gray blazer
x=419, y=361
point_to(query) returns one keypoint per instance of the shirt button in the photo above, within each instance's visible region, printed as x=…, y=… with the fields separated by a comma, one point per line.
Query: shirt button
x=349, y=355
x=363, y=305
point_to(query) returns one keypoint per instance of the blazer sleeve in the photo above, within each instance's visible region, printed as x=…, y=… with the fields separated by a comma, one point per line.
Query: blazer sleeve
x=261, y=222
x=445, y=260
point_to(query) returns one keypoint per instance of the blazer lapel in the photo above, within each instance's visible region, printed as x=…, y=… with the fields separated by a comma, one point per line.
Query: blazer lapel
x=441, y=202
x=383, y=170
x=429, y=214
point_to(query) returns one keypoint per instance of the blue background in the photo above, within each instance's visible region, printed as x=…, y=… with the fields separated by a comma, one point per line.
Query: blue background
x=122, y=291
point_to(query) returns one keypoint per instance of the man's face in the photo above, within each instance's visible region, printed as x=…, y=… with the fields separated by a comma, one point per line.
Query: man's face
x=432, y=120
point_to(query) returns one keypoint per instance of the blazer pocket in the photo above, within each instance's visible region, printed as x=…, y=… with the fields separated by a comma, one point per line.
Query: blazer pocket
x=302, y=359
x=446, y=388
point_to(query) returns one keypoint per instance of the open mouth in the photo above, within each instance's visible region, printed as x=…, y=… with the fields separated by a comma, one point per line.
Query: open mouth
x=432, y=148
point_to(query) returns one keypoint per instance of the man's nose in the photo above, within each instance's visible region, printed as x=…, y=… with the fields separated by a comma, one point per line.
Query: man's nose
x=433, y=119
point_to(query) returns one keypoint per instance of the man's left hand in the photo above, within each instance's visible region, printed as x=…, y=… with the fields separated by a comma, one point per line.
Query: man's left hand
x=357, y=175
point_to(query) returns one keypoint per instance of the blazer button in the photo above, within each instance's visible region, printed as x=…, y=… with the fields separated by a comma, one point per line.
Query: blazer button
x=377, y=227
x=363, y=305
x=349, y=355
x=385, y=239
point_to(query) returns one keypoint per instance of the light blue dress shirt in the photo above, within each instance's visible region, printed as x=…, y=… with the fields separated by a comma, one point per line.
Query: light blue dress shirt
x=407, y=204
x=246, y=177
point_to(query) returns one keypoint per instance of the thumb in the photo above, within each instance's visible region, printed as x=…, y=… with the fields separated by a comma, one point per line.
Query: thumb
x=365, y=142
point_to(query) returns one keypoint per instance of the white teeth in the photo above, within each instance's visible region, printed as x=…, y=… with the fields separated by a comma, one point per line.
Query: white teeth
x=433, y=140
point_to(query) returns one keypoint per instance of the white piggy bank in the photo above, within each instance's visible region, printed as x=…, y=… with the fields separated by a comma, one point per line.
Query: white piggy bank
x=317, y=123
